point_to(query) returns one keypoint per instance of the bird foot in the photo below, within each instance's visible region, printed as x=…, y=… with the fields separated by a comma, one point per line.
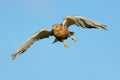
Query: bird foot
x=66, y=45
x=73, y=38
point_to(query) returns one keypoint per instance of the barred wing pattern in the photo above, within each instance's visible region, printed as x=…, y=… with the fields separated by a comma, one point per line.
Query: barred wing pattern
x=41, y=34
x=83, y=22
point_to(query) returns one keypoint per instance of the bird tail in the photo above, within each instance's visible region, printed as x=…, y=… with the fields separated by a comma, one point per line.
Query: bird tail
x=55, y=41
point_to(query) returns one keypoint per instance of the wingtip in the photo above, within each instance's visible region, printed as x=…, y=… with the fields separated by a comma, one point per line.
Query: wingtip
x=13, y=56
x=104, y=27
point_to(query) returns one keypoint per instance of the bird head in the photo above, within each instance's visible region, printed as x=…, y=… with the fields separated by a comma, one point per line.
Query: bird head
x=56, y=26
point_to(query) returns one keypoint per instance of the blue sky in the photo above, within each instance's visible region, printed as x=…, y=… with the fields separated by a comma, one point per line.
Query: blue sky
x=95, y=55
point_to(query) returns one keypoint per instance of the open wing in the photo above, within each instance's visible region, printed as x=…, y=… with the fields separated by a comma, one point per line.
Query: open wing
x=41, y=34
x=82, y=21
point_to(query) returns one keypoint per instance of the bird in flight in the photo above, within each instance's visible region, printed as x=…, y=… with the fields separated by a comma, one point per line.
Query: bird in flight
x=60, y=32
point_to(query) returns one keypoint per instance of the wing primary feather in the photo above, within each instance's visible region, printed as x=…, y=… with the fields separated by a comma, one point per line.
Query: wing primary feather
x=23, y=48
x=83, y=22
x=41, y=34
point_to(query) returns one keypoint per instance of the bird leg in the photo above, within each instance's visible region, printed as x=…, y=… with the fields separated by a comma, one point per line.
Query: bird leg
x=65, y=44
x=72, y=37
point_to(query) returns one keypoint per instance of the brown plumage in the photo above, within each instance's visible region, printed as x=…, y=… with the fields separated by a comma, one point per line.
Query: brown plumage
x=60, y=32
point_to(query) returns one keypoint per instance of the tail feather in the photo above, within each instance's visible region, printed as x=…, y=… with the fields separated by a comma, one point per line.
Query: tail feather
x=55, y=41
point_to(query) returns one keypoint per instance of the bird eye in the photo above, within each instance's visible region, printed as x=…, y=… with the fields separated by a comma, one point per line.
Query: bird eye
x=56, y=26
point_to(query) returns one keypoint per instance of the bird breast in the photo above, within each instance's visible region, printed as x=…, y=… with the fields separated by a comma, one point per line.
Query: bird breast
x=61, y=32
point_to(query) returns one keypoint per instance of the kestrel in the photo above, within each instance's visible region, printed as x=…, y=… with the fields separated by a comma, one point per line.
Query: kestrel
x=60, y=32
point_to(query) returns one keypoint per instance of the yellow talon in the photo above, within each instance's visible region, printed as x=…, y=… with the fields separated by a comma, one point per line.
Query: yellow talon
x=65, y=44
x=73, y=38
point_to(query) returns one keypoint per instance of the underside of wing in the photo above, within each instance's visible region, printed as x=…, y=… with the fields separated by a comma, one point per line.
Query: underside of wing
x=41, y=34
x=83, y=22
